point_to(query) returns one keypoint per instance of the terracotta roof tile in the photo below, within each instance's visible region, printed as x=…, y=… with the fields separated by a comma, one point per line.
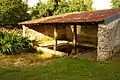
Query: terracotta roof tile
x=88, y=16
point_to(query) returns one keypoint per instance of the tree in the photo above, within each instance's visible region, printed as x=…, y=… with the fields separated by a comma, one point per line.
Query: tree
x=88, y=4
x=115, y=3
x=73, y=6
x=55, y=7
x=43, y=9
x=13, y=11
x=59, y=7
x=80, y=5
x=40, y=10
x=77, y=5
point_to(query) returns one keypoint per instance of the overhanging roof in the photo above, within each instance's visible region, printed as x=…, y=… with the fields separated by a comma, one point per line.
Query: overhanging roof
x=78, y=17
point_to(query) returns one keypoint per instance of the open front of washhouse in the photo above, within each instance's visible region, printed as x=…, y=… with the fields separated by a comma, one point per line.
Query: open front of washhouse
x=96, y=32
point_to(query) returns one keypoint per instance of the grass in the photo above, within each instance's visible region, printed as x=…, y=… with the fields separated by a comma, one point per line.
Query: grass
x=65, y=69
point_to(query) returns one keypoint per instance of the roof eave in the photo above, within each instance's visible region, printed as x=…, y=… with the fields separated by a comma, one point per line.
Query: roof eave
x=111, y=18
x=70, y=23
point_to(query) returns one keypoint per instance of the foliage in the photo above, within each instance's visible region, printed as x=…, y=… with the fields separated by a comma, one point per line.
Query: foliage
x=13, y=11
x=115, y=3
x=55, y=7
x=88, y=4
x=77, y=5
x=63, y=7
x=12, y=44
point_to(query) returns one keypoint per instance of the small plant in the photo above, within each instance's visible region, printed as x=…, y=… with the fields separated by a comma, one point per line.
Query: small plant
x=11, y=43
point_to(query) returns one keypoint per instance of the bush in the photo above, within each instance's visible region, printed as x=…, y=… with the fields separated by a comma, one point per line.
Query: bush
x=11, y=29
x=11, y=43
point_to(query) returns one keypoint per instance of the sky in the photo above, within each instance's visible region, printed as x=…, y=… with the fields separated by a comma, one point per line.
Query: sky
x=101, y=4
x=32, y=2
x=97, y=4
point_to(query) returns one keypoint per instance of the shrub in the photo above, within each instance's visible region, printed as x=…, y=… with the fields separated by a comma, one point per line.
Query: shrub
x=11, y=29
x=11, y=43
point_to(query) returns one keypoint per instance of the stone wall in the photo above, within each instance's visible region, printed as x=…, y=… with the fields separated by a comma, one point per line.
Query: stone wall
x=85, y=33
x=43, y=32
x=108, y=40
x=88, y=34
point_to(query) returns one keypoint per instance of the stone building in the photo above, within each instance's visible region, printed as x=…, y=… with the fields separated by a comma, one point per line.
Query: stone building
x=100, y=28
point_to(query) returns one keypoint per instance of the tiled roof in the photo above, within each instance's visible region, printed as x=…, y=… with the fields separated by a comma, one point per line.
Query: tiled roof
x=79, y=17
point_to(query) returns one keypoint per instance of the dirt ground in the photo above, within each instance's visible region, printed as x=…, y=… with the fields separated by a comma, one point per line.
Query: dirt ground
x=37, y=59
x=25, y=60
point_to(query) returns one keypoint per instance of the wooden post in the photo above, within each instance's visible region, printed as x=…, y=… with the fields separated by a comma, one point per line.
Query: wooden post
x=75, y=38
x=23, y=26
x=55, y=38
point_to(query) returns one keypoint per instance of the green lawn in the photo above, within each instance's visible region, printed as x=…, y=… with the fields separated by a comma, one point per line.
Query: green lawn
x=65, y=69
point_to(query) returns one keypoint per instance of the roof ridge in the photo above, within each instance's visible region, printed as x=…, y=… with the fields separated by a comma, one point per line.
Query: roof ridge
x=85, y=16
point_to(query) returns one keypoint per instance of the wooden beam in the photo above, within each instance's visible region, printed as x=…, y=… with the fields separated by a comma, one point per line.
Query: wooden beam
x=55, y=38
x=75, y=38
